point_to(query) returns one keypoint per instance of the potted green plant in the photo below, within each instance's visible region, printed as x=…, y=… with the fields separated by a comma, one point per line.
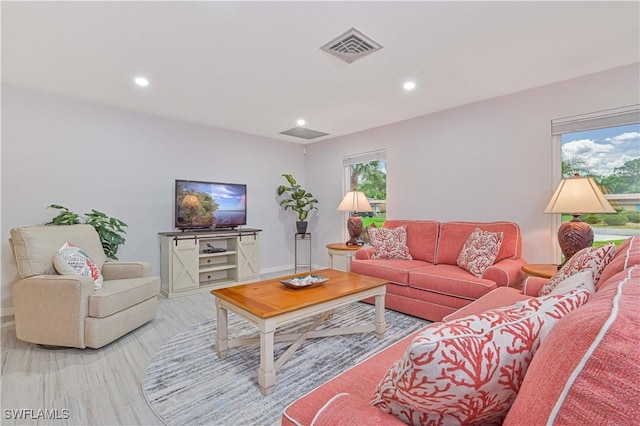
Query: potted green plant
x=110, y=230
x=297, y=199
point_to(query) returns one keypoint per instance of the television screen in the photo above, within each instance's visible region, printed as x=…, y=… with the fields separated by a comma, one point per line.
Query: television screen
x=210, y=204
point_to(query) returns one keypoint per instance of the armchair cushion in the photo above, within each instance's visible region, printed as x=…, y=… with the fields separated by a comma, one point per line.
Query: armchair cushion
x=35, y=246
x=117, y=295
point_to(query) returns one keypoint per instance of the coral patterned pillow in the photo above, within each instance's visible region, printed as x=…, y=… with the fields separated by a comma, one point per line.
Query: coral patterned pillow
x=594, y=259
x=468, y=371
x=72, y=260
x=480, y=251
x=389, y=243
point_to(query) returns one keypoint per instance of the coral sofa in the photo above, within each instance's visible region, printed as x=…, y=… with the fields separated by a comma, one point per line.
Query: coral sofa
x=585, y=370
x=432, y=285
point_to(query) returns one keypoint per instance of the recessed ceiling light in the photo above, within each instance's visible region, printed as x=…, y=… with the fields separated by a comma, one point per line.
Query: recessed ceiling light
x=141, y=81
x=301, y=122
x=409, y=85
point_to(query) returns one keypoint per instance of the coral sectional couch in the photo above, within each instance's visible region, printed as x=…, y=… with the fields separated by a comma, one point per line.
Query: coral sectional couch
x=582, y=369
x=432, y=285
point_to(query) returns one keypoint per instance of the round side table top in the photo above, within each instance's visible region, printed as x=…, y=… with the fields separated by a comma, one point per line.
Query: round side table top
x=342, y=246
x=544, y=270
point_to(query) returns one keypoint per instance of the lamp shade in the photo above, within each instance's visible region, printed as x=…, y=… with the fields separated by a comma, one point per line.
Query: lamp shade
x=578, y=195
x=355, y=201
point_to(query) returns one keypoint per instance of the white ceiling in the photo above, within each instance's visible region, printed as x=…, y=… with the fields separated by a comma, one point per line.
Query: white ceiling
x=256, y=67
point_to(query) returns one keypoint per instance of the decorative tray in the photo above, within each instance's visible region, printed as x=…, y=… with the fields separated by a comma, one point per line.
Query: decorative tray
x=304, y=282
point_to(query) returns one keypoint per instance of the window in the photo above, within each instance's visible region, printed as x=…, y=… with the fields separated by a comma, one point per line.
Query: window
x=368, y=173
x=606, y=147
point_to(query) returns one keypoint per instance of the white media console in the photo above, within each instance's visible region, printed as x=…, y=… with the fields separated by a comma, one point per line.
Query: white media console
x=193, y=261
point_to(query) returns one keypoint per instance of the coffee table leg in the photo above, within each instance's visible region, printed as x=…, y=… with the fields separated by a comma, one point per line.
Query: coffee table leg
x=267, y=371
x=222, y=333
x=380, y=323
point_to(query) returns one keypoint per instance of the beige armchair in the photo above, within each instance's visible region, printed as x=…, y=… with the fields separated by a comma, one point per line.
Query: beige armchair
x=65, y=310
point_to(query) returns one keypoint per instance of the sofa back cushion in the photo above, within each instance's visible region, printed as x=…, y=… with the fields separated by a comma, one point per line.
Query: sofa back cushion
x=627, y=255
x=469, y=370
x=422, y=237
x=586, y=371
x=34, y=247
x=453, y=235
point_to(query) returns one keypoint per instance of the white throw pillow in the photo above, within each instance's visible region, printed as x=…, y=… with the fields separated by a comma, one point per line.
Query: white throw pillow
x=72, y=260
x=580, y=281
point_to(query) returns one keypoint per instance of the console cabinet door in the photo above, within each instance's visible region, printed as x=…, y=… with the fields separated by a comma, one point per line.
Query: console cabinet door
x=248, y=257
x=184, y=262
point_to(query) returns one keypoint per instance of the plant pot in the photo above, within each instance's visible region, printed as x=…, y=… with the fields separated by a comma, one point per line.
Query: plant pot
x=302, y=227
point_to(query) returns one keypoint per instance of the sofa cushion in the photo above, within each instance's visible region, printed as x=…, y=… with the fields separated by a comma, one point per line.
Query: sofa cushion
x=117, y=295
x=593, y=259
x=453, y=235
x=395, y=271
x=627, y=255
x=72, y=260
x=480, y=251
x=389, y=243
x=595, y=379
x=469, y=371
x=422, y=237
x=451, y=280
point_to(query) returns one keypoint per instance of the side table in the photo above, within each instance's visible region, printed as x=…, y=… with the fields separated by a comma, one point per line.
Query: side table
x=342, y=249
x=544, y=270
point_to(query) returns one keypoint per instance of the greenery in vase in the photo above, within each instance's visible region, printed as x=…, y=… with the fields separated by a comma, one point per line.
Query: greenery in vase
x=296, y=198
x=110, y=230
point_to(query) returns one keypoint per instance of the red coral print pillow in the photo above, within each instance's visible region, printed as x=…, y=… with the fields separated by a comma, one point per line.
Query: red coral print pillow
x=593, y=259
x=480, y=251
x=389, y=243
x=70, y=260
x=469, y=371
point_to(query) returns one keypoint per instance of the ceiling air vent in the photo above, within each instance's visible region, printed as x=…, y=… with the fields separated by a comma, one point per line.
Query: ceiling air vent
x=351, y=46
x=301, y=132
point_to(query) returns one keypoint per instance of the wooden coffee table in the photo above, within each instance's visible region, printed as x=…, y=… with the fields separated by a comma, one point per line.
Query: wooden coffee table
x=269, y=304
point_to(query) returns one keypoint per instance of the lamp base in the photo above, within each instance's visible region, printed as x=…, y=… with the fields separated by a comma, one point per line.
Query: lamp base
x=354, y=226
x=573, y=236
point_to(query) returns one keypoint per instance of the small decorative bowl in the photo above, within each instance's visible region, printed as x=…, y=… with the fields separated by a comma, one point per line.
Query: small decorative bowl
x=304, y=282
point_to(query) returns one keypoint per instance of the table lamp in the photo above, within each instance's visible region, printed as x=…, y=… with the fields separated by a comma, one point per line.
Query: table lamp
x=577, y=195
x=354, y=201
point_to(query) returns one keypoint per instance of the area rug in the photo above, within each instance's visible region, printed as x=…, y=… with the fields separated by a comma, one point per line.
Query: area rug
x=186, y=383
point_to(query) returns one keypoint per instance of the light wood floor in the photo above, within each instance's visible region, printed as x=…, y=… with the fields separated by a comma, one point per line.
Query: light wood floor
x=96, y=386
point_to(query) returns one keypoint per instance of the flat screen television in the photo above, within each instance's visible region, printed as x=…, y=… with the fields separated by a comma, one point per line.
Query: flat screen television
x=204, y=205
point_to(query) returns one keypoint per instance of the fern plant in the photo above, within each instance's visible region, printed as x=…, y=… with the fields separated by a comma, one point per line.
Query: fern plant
x=110, y=230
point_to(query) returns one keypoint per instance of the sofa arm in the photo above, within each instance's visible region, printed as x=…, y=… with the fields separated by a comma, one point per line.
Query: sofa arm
x=364, y=253
x=123, y=270
x=532, y=285
x=51, y=309
x=345, y=409
x=506, y=273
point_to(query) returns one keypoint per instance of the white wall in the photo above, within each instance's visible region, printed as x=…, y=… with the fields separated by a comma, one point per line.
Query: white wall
x=487, y=161
x=59, y=150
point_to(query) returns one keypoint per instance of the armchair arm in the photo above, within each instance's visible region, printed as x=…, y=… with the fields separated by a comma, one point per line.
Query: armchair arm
x=505, y=273
x=364, y=253
x=532, y=285
x=115, y=270
x=51, y=309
